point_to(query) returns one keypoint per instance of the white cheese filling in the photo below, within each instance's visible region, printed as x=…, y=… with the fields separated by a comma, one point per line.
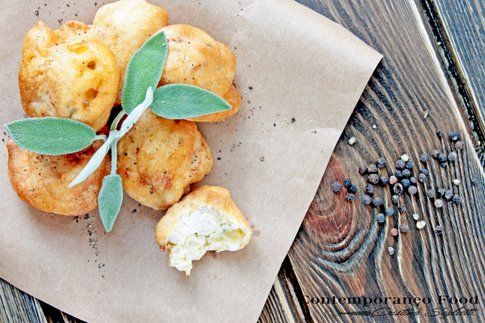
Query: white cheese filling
x=201, y=230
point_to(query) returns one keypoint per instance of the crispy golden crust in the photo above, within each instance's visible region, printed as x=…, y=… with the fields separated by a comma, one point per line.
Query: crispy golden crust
x=196, y=58
x=233, y=97
x=215, y=196
x=41, y=181
x=124, y=26
x=63, y=74
x=160, y=158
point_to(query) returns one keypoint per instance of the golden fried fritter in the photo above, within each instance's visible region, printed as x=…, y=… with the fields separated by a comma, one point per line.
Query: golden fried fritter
x=124, y=26
x=158, y=159
x=41, y=180
x=196, y=58
x=207, y=219
x=62, y=74
x=233, y=97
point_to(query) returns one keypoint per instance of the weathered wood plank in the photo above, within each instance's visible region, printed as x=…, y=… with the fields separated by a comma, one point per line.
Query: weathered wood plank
x=340, y=249
x=464, y=23
x=17, y=306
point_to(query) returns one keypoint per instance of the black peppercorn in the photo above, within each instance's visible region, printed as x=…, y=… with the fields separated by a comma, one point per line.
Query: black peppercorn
x=362, y=170
x=452, y=156
x=442, y=157
x=424, y=171
x=409, y=164
x=397, y=189
x=377, y=202
x=431, y=193
x=423, y=157
x=384, y=180
x=381, y=162
x=381, y=218
x=412, y=190
x=336, y=187
x=406, y=173
x=389, y=211
x=443, y=165
x=352, y=189
x=448, y=194
x=402, y=209
x=441, y=192
x=371, y=168
x=457, y=199
x=435, y=153
x=370, y=189
x=347, y=182
x=395, y=199
x=350, y=197
x=366, y=199
x=400, y=164
x=455, y=135
x=440, y=133
x=405, y=182
x=373, y=178
x=422, y=178
x=413, y=180
x=398, y=173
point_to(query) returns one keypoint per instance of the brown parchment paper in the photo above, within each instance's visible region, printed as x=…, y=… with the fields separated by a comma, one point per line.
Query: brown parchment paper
x=306, y=74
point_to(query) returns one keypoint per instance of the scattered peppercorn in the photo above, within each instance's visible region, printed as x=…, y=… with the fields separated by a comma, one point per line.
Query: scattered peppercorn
x=370, y=189
x=448, y=194
x=350, y=197
x=459, y=145
x=443, y=165
x=366, y=199
x=457, y=199
x=351, y=141
x=409, y=164
x=381, y=162
x=362, y=170
x=406, y=173
x=438, y=229
x=435, y=153
x=441, y=192
x=371, y=168
x=398, y=173
x=377, y=202
x=384, y=180
x=455, y=135
x=398, y=189
x=416, y=216
x=412, y=190
x=380, y=218
x=420, y=224
x=423, y=157
x=352, y=189
x=336, y=187
x=456, y=182
x=421, y=178
x=404, y=228
x=431, y=193
x=394, y=232
x=413, y=180
x=474, y=181
x=347, y=182
x=395, y=199
x=424, y=171
x=440, y=133
x=452, y=156
x=392, y=180
x=402, y=209
x=389, y=211
x=400, y=164
x=391, y=251
x=405, y=157
x=373, y=178
x=442, y=158
x=405, y=182
x=438, y=203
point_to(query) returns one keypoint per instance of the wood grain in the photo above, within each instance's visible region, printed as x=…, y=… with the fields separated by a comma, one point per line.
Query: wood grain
x=340, y=249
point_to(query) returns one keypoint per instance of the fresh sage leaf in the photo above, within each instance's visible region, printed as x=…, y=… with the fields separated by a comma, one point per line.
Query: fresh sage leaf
x=95, y=161
x=136, y=113
x=51, y=136
x=110, y=198
x=144, y=70
x=183, y=101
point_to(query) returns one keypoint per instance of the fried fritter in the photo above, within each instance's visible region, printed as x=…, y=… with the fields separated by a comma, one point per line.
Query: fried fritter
x=62, y=74
x=124, y=26
x=158, y=159
x=233, y=97
x=196, y=58
x=207, y=219
x=41, y=180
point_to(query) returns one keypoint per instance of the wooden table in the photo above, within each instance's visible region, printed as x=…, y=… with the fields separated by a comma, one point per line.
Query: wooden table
x=430, y=79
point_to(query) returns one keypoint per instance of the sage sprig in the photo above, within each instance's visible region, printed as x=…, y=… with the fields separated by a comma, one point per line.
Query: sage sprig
x=57, y=136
